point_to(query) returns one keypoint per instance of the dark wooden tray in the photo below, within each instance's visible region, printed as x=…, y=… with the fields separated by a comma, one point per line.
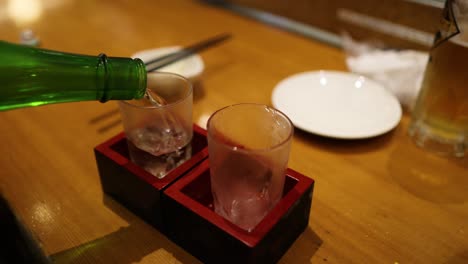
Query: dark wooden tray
x=180, y=206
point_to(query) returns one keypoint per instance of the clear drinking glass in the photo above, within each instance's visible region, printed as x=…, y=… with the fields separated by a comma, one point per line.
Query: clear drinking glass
x=159, y=136
x=249, y=147
x=440, y=117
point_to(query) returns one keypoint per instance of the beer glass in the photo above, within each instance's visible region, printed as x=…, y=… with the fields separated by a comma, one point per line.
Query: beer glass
x=440, y=117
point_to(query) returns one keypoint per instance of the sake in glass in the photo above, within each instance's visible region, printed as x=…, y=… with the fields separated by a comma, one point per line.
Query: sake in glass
x=249, y=147
x=159, y=127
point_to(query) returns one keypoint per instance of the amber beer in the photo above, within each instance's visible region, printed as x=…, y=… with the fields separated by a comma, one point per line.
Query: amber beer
x=440, y=116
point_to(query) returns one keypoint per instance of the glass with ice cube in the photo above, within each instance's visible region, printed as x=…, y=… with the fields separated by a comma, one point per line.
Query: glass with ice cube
x=159, y=127
x=249, y=147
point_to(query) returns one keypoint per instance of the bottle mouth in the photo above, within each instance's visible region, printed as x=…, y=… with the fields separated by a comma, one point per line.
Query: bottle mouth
x=143, y=81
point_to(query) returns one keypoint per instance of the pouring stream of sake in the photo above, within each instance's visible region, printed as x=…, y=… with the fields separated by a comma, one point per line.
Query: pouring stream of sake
x=154, y=98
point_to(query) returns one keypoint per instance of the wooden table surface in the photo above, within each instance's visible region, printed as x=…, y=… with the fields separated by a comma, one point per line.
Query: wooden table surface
x=379, y=200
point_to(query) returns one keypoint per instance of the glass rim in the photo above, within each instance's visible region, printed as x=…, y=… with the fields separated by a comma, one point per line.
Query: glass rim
x=178, y=76
x=235, y=148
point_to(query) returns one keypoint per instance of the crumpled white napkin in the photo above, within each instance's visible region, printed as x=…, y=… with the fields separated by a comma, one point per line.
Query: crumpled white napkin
x=401, y=72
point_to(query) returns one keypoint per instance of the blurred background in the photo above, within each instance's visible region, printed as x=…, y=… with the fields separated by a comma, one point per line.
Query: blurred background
x=397, y=23
x=393, y=23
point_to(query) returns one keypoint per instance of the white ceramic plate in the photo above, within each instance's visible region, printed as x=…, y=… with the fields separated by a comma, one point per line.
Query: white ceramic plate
x=337, y=104
x=190, y=67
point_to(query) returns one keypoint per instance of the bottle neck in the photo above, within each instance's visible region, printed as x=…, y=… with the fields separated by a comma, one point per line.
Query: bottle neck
x=120, y=78
x=32, y=77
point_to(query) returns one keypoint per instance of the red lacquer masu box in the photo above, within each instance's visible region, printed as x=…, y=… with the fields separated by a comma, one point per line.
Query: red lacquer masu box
x=181, y=206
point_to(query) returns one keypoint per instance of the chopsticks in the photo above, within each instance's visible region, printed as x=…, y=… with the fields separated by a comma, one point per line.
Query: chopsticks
x=170, y=58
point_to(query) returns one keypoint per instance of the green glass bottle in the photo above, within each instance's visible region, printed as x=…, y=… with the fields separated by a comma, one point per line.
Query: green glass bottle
x=31, y=77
